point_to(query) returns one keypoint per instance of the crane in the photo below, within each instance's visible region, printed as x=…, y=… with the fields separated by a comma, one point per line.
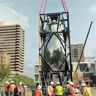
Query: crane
x=75, y=73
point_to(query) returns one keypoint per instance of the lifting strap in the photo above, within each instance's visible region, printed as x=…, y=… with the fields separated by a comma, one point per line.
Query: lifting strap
x=44, y=4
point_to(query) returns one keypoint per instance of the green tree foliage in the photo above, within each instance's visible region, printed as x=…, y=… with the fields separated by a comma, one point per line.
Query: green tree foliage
x=4, y=72
x=21, y=78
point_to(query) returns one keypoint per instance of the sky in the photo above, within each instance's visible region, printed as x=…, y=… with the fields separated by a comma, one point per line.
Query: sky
x=26, y=12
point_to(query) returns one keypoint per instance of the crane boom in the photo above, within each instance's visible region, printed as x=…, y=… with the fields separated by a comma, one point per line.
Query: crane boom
x=84, y=45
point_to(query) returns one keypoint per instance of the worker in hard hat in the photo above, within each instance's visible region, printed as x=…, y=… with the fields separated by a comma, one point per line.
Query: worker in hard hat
x=38, y=91
x=67, y=89
x=77, y=92
x=20, y=88
x=12, y=87
x=87, y=90
x=83, y=85
x=50, y=89
x=7, y=85
x=59, y=89
x=72, y=90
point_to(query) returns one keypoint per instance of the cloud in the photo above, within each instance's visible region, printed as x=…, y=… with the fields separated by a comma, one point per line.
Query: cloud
x=92, y=9
x=10, y=16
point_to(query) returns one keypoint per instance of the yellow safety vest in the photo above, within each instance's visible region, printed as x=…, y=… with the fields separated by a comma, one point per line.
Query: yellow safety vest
x=59, y=90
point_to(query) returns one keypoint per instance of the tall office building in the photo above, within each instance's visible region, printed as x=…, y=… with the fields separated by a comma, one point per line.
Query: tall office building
x=76, y=52
x=12, y=42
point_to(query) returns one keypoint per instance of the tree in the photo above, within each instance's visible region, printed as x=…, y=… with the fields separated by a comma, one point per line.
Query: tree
x=21, y=78
x=4, y=72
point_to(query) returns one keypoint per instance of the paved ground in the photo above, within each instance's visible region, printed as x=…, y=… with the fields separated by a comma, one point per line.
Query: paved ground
x=28, y=92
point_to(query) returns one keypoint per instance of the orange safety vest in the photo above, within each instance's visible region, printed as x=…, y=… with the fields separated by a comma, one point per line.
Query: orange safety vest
x=38, y=92
x=12, y=87
x=50, y=90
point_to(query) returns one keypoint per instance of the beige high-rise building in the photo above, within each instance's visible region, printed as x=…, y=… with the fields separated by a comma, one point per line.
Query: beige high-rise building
x=12, y=42
x=76, y=50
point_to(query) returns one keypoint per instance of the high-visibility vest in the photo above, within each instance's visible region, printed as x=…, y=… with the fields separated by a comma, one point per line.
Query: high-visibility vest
x=38, y=92
x=50, y=90
x=87, y=92
x=59, y=90
x=12, y=87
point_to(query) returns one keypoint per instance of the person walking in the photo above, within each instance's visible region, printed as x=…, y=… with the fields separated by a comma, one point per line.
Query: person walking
x=50, y=89
x=38, y=91
x=59, y=89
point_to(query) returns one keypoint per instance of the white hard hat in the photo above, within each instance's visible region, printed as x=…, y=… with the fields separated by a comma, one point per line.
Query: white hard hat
x=83, y=84
x=12, y=81
x=58, y=82
x=77, y=90
x=20, y=83
x=71, y=83
x=39, y=86
x=52, y=83
x=7, y=82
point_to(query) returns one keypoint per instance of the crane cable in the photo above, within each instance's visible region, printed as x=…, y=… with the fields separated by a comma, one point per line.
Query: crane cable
x=64, y=5
x=44, y=4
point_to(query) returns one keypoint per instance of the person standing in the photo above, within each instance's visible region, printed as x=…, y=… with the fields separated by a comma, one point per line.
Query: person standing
x=20, y=88
x=11, y=88
x=59, y=89
x=77, y=92
x=67, y=89
x=83, y=85
x=7, y=88
x=87, y=90
x=72, y=90
x=38, y=91
x=50, y=89
x=16, y=92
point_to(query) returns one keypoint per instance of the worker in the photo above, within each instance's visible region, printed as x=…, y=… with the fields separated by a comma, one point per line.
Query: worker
x=77, y=92
x=72, y=90
x=12, y=87
x=87, y=90
x=38, y=91
x=50, y=89
x=7, y=88
x=20, y=88
x=59, y=89
x=83, y=85
x=16, y=92
x=67, y=89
